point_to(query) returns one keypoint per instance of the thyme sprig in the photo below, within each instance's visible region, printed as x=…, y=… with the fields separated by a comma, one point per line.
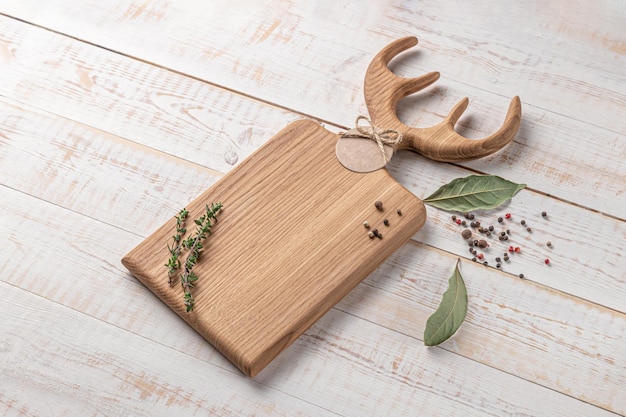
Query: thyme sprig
x=173, y=263
x=194, y=244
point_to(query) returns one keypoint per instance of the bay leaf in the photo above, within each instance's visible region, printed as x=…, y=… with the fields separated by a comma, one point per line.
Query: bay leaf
x=449, y=316
x=473, y=193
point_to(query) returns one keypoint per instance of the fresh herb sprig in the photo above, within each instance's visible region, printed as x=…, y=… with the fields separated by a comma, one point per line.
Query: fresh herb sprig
x=194, y=244
x=173, y=263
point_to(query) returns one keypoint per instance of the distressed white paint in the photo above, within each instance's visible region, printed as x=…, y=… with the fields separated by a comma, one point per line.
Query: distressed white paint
x=97, y=149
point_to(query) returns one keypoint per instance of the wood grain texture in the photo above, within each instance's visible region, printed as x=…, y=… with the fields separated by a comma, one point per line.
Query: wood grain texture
x=113, y=114
x=289, y=244
x=398, y=307
x=215, y=128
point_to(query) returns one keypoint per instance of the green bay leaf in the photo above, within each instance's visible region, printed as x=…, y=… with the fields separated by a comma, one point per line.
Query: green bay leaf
x=447, y=319
x=473, y=193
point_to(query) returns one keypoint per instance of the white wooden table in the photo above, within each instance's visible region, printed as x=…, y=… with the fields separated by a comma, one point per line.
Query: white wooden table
x=114, y=114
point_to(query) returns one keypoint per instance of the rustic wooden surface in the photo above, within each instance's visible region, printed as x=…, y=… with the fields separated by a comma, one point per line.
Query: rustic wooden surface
x=113, y=115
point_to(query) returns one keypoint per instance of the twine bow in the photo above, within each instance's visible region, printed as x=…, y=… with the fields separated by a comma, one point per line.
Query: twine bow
x=382, y=137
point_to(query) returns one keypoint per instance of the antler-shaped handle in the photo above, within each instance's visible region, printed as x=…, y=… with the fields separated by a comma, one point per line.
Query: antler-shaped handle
x=383, y=90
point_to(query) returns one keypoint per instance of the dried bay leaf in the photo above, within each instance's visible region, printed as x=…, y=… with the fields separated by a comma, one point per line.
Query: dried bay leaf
x=447, y=319
x=474, y=192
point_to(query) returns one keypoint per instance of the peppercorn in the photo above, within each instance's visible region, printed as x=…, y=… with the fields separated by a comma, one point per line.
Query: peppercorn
x=548, y=243
x=366, y=224
x=482, y=243
x=491, y=228
x=474, y=259
x=471, y=216
x=371, y=234
x=386, y=222
x=458, y=221
x=477, y=223
x=528, y=229
x=500, y=220
x=547, y=261
x=506, y=258
x=517, y=250
x=521, y=275
x=508, y=232
x=544, y=214
x=508, y=215
x=471, y=250
x=453, y=217
x=379, y=205
x=475, y=243
x=399, y=212
x=523, y=222
x=380, y=235
x=463, y=223
x=502, y=233
x=498, y=265
x=466, y=215
x=498, y=259
x=487, y=233
x=511, y=249
x=485, y=263
x=481, y=256
x=467, y=233
x=470, y=243
x=375, y=232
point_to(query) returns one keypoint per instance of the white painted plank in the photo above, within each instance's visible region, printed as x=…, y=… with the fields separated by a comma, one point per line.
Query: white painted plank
x=94, y=367
x=58, y=362
x=551, y=54
x=213, y=127
x=531, y=314
x=52, y=150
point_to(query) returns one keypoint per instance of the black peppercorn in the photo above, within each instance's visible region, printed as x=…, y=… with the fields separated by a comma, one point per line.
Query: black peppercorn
x=498, y=259
x=482, y=244
x=485, y=263
x=491, y=228
x=528, y=229
x=463, y=223
x=466, y=234
x=521, y=275
x=474, y=259
x=379, y=205
x=523, y=222
x=399, y=212
x=544, y=214
x=502, y=233
x=453, y=217
x=500, y=219
x=498, y=265
x=386, y=222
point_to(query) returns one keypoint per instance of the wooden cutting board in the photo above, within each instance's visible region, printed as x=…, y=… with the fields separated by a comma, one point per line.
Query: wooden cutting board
x=288, y=245
x=290, y=241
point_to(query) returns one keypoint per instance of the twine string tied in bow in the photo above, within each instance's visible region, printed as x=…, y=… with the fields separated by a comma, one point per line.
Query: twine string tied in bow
x=382, y=137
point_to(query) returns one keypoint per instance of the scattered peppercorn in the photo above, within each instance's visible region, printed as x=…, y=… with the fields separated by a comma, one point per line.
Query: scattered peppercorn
x=508, y=215
x=399, y=212
x=380, y=235
x=458, y=221
x=487, y=233
x=523, y=222
x=500, y=220
x=366, y=224
x=506, y=258
x=511, y=249
x=375, y=232
x=517, y=250
x=544, y=214
x=547, y=261
x=470, y=216
x=521, y=275
x=491, y=228
x=528, y=229
x=470, y=243
x=453, y=217
x=467, y=233
x=477, y=223
x=371, y=234
x=485, y=263
x=508, y=232
x=548, y=243
x=463, y=223
x=386, y=222
x=474, y=259
x=379, y=205
x=498, y=259
x=481, y=256
x=466, y=215
x=482, y=243
x=475, y=243
x=471, y=250
x=498, y=265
